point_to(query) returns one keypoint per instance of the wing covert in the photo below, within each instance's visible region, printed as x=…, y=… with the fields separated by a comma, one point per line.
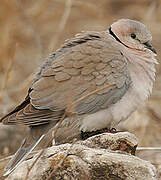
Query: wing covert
x=88, y=73
x=83, y=69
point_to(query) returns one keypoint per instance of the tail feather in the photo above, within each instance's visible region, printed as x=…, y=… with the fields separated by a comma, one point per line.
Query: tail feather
x=20, y=155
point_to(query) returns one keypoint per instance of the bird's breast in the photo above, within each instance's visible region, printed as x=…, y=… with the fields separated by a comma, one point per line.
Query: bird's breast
x=135, y=96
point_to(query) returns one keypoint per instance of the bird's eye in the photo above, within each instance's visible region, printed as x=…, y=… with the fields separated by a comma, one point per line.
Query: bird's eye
x=133, y=35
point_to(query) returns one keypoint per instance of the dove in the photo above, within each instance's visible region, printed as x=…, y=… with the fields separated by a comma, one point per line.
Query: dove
x=94, y=81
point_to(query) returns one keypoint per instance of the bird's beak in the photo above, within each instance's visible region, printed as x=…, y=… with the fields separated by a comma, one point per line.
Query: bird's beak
x=149, y=46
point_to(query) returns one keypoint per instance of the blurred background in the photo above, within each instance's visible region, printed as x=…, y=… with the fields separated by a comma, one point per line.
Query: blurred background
x=30, y=30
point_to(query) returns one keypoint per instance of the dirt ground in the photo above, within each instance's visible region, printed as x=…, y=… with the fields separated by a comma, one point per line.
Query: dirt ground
x=30, y=30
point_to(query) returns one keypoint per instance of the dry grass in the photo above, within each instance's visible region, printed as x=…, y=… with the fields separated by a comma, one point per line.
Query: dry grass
x=30, y=30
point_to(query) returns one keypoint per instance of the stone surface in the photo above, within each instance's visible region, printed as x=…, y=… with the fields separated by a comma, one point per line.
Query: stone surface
x=101, y=157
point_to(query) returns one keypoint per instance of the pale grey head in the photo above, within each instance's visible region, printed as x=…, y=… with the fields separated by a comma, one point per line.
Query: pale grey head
x=132, y=34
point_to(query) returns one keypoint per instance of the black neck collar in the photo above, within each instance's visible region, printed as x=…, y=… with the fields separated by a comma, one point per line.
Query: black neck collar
x=117, y=39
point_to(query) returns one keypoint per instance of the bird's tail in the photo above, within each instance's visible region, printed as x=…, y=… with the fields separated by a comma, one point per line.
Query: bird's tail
x=21, y=154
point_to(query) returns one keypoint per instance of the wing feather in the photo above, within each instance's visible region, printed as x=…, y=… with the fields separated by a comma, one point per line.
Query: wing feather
x=87, y=70
x=82, y=67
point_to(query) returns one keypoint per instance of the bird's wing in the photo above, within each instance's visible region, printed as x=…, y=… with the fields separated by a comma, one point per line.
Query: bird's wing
x=87, y=74
x=91, y=75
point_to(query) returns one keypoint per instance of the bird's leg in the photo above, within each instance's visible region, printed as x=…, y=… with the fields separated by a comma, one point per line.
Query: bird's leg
x=110, y=130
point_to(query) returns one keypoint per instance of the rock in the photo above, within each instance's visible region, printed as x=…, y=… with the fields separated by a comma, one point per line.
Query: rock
x=101, y=157
x=122, y=141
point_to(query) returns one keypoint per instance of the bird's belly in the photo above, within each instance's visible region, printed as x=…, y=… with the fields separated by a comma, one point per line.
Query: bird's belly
x=95, y=121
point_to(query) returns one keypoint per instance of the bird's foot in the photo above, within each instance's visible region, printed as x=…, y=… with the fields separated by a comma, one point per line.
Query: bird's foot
x=110, y=130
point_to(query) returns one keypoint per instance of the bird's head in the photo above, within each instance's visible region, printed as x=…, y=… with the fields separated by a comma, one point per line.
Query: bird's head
x=132, y=34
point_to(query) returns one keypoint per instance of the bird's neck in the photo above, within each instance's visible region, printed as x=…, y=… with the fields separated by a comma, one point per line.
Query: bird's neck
x=142, y=71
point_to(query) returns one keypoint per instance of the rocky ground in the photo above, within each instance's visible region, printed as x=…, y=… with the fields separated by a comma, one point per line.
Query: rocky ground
x=101, y=157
